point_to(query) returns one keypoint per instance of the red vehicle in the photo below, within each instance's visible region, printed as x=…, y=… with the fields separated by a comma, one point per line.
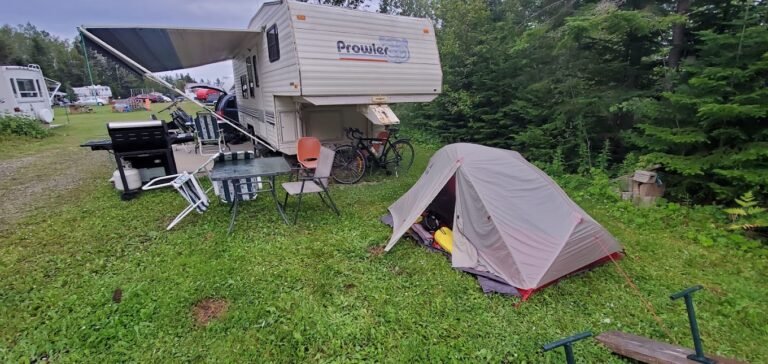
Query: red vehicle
x=151, y=97
x=203, y=93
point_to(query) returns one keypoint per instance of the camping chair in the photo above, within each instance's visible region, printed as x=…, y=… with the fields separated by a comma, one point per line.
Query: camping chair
x=315, y=183
x=208, y=133
x=307, y=152
x=188, y=187
x=234, y=191
x=243, y=189
x=182, y=123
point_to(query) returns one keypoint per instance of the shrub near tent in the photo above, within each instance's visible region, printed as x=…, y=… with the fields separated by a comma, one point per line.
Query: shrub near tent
x=510, y=218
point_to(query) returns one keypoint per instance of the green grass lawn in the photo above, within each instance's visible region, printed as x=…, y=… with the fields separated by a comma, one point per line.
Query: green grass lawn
x=320, y=291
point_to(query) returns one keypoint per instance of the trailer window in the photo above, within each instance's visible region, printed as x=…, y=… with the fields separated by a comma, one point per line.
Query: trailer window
x=255, y=73
x=273, y=45
x=244, y=86
x=27, y=87
x=249, y=70
x=13, y=86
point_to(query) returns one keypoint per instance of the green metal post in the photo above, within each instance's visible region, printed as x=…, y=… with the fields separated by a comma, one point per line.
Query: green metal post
x=87, y=64
x=569, y=359
x=567, y=344
x=687, y=294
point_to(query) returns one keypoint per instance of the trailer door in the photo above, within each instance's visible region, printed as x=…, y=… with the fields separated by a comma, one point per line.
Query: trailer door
x=288, y=127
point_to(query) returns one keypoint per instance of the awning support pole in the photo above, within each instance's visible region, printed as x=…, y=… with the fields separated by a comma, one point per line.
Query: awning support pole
x=148, y=74
x=87, y=63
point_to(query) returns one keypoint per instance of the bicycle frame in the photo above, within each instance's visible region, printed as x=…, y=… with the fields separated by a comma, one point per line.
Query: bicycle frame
x=379, y=159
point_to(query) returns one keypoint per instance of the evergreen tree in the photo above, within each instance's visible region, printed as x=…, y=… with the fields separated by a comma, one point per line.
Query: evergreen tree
x=710, y=132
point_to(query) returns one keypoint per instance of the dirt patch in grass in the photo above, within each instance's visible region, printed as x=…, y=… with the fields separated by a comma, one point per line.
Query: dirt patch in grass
x=208, y=310
x=117, y=295
x=376, y=251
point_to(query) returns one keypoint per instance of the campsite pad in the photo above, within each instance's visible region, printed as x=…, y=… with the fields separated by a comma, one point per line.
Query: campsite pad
x=489, y=282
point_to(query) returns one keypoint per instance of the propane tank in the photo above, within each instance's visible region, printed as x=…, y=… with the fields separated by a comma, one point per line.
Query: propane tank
x=132, y=177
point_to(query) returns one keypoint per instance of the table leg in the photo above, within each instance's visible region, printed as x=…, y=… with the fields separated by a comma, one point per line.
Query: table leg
x=274, y=197
x=234, y=213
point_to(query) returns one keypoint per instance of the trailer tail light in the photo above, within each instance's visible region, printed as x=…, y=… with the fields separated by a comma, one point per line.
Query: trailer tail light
x=17, y=109
x=425, y=30
x=301, y=17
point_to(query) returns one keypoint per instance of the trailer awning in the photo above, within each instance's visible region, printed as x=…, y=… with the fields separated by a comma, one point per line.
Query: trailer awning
x=166, y=49
x=147, y=50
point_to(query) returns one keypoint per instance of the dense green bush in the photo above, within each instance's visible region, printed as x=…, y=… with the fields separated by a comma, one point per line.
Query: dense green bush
x=705, y=225
x=19, y=126
x=603, y=84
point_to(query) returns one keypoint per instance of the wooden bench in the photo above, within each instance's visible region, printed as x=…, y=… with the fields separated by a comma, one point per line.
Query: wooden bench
x=649, y=351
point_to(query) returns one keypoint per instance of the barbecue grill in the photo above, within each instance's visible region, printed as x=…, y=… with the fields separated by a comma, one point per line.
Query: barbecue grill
x=144, y=144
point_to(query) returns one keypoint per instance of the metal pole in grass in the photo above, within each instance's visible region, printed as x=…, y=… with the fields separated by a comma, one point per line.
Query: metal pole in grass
x=567, y=344
x=687, y=294
x=87, y=64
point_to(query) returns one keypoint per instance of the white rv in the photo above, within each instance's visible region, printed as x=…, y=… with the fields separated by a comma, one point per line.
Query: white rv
x=24, y=91
x=319, y=69
x=104, y=92
x=300, y=69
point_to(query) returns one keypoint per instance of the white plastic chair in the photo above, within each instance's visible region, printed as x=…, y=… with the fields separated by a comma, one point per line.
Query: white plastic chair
x=188, y=187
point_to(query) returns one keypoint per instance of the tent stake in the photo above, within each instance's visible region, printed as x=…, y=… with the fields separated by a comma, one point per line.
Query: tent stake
x=687, y=294
x=567, y=343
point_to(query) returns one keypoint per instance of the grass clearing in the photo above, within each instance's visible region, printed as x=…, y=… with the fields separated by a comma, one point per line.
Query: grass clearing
x=322, y=290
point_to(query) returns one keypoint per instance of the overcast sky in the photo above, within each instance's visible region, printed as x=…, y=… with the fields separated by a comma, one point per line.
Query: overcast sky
x=61, y=18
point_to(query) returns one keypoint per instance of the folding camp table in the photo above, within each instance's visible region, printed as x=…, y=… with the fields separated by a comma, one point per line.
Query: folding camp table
x=266, y=168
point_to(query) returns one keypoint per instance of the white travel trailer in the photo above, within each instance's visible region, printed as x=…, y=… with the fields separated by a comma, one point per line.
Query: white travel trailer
x=24, y=91
x=300, y=69
x=104, y=92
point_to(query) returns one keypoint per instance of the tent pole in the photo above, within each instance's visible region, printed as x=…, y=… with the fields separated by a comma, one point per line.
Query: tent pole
x=148, y=74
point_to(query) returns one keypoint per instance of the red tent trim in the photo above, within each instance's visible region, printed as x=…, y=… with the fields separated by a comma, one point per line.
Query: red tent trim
x=525, y=293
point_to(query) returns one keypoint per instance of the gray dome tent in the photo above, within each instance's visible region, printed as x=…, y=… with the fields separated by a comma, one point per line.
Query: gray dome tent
x=510, y=218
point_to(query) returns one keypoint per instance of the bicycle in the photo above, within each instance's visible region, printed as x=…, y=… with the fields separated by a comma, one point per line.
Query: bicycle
x=387, y=151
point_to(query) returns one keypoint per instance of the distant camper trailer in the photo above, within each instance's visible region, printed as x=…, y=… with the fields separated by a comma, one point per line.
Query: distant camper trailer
x=93, y=90
x=300, y=69
x=24, y=91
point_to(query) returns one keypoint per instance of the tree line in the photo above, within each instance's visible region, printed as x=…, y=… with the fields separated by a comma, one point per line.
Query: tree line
x=611, y=84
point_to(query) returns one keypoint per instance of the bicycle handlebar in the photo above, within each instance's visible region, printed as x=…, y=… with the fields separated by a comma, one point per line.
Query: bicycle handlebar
x=353, y=133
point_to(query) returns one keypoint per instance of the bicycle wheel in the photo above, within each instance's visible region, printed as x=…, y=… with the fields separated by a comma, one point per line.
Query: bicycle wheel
x=399, y=158
x=348, y=165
